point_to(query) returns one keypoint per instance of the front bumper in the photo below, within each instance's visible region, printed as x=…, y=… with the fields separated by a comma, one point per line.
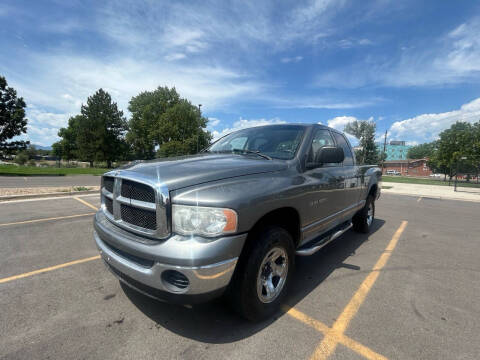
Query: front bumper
x=140, y=262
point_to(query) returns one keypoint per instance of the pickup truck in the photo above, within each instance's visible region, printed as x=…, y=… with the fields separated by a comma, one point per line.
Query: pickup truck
x=231, y=219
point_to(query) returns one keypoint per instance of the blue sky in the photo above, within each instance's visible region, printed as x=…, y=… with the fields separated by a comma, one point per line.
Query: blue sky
x=411, y=66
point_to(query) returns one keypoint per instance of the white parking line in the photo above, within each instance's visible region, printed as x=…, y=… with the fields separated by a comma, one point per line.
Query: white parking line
x=47, y=198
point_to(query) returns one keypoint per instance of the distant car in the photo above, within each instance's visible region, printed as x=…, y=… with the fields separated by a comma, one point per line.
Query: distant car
x=436, y=175
x=393, y=172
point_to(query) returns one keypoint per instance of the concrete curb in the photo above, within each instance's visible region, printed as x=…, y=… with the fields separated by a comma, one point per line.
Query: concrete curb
x=385, y=191
x=54, y=194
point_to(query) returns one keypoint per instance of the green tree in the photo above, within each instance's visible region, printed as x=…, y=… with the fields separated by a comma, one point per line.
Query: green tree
x=453, y=144
x=474, y=152
x=66, y=148
x=364, y=131
x=21, y=157
x=12, y=118
x=421, y=151
x=147, y=109
x=31, y=151
x=162, y=118
x=101, y=130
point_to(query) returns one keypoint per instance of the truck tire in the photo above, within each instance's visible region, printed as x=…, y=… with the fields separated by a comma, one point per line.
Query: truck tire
x=261, y=280
x=363, y=220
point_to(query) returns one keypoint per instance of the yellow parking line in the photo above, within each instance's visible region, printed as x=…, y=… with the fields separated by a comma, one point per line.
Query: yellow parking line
x=420, y=198
x=330, y=342
x=86, y=203
x=51, y=268
x=46, y=219
x=341, y=338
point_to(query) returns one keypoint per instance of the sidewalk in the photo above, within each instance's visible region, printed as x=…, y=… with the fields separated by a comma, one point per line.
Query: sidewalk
x=435, y=191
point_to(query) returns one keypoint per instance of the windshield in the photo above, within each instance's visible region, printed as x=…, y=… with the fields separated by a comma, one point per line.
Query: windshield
x=279, y=142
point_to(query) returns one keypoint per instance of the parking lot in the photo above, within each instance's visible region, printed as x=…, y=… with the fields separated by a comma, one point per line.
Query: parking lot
x=408, y=290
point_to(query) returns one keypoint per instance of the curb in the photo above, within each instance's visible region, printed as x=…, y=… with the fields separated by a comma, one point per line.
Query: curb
x=385, y=191
x=54, y=194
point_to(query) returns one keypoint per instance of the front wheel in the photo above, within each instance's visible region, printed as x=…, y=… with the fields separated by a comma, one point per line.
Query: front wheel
x=260, y=282
x=363, y=220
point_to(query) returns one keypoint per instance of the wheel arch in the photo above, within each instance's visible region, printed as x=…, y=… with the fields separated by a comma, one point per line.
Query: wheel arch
x=285, y=217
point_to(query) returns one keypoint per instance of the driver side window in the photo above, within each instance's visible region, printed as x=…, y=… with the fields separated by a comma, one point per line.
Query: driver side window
x=321, y=138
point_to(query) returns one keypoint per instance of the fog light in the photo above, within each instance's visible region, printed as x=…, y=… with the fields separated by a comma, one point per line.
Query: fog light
x=175, y=281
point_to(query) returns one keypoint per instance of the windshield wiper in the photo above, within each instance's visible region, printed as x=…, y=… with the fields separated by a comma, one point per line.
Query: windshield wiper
x=256, y=152
x=241, y=151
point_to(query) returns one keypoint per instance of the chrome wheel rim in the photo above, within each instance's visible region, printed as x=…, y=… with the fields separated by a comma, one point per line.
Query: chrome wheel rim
x=272, y=275
x=370, y=214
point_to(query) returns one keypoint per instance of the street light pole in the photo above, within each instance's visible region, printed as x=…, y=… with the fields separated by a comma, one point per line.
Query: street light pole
x=384, y=146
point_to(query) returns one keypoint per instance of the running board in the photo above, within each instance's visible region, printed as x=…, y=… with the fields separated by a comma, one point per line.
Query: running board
x=323, y=241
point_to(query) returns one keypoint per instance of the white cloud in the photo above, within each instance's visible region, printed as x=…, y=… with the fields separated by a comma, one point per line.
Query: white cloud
x=451, y=58
x=62, y=26
x=42, y=135
x=465, y=53
x=196, y=27
x=365, y=42
x=427, y=127
x=212, y=122
x=62, y=83
x=350, y=42
x=295, y=59
x=306, y=102
x=340, y=122
x=175, y=56
x=59, y=76
x=39, y=117
x=243, y=124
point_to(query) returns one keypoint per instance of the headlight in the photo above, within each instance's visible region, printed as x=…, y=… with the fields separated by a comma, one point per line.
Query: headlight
x=205, y=221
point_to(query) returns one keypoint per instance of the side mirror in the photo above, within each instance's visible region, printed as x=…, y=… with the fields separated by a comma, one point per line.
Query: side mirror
x=327, y=154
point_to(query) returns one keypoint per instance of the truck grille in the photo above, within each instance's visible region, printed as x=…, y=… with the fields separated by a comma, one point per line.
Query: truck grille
x=108, y=183
x=133, y=205
x=137, y=191
x=138, y=217
x=108, y=205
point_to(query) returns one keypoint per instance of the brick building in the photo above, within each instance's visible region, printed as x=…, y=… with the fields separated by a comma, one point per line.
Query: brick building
x=412, y=167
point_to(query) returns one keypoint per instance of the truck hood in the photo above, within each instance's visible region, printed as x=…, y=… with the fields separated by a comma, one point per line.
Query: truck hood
x=180, y=172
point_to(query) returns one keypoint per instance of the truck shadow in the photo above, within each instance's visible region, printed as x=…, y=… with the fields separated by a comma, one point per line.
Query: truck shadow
x=215, y=322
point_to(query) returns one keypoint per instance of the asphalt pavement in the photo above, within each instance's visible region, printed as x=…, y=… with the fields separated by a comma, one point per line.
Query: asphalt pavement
x=48, y=181
x=408, y=290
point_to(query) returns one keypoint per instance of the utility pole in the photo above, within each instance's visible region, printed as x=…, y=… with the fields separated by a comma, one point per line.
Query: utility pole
x=384, y=148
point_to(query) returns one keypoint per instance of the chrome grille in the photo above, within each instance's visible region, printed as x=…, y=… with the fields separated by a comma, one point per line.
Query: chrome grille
x=136, y=203
x=137, y=191
x=138, y=217
x=108, y=183
x=108, y=204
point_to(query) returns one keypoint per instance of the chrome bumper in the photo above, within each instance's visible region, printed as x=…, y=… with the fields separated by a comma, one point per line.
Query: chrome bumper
x=120, y=251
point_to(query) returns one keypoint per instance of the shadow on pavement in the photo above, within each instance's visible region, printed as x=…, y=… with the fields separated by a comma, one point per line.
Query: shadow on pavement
x=469, y=190
x=216, y=322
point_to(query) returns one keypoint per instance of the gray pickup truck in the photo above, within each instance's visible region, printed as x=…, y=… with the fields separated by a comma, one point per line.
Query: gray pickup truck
x=231, y=219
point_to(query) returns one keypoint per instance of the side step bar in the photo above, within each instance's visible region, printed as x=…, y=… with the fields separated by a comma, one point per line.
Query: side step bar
x=322, y=242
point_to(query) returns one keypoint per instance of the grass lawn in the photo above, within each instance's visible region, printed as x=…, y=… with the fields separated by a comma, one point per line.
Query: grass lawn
x=410, y=180
x=13, y=170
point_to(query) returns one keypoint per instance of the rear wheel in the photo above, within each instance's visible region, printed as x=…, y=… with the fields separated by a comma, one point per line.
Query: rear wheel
x=260, y=281
x=363, y=220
